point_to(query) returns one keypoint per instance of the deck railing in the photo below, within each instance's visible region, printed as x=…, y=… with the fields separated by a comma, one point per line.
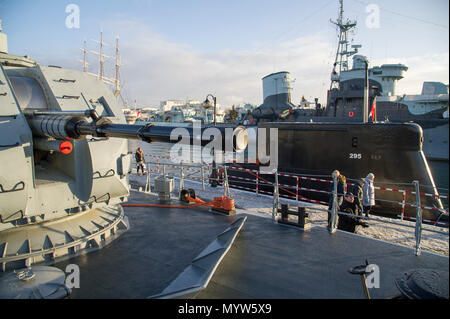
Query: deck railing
x=258, y=183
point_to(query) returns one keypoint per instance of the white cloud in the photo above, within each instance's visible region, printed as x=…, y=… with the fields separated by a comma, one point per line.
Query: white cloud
x=155, y=69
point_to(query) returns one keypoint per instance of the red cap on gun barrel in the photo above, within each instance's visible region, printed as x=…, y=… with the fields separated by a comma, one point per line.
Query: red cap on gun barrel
x=65, y=147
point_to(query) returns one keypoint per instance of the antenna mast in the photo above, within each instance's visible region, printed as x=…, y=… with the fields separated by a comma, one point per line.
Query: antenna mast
x=84, y=57
x=84, y=61
x=342, y=53
x=100, y=74
x=116, y=79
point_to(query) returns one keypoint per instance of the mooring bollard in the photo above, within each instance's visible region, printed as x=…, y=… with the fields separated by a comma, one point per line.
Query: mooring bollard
x=285, y=212
x=302, y=218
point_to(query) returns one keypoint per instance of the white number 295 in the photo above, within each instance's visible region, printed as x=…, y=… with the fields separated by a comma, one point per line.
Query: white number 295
x=355, y=156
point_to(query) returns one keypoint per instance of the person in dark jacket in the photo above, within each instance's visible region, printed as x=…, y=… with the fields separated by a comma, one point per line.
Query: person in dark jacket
x=349, y=223
x=139, y=156
x=357, y=191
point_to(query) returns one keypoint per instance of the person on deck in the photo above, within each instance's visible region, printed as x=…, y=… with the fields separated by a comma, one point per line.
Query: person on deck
x=341, y=189
x=358, y=192
x=139, y=156
x=346, y=222
x=369, y=194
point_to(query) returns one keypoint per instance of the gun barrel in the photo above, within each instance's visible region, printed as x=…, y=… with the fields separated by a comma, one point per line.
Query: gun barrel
x=169, y=134
x=62, y=126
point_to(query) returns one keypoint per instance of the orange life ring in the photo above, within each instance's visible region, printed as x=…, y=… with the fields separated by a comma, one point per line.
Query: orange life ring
x=351, y=114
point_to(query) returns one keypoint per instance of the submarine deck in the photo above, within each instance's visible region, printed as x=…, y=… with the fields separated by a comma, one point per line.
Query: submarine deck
x=266, y=260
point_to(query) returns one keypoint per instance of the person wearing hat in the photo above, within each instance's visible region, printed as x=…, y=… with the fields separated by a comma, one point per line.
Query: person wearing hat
x=368, y=194
x=346, y=222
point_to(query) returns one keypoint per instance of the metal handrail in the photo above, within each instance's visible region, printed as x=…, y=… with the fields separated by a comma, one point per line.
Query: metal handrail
x=278, y=187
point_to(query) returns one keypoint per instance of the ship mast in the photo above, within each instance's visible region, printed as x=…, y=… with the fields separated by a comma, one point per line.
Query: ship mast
x=100, y=74
x=342, y=53
x=116, y=79
x=101, y=55
x=84, y=57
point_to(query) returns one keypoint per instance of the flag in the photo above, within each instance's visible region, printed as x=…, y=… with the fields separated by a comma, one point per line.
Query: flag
x=373, y=111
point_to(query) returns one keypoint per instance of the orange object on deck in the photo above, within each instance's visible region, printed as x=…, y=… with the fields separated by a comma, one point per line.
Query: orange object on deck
x=224, y=204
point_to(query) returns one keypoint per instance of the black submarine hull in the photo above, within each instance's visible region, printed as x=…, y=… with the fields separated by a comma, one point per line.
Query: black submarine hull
x=392, y=151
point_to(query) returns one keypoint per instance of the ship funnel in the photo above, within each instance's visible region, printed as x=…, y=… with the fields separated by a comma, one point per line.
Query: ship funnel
x=277, y=96
x=277, y=84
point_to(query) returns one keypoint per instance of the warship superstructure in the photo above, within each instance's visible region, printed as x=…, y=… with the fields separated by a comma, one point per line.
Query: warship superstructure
x=428, y=109
x=345, y=98
x=342, y=136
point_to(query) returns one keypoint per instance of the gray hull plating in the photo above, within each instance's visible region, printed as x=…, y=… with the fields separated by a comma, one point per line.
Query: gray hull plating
x=435, y=142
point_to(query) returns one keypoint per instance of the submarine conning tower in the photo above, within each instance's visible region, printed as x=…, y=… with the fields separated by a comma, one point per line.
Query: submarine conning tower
x=277, y=89
x=276, y=94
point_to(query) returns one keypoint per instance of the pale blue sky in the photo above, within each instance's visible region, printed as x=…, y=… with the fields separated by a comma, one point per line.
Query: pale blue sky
x=246, y=39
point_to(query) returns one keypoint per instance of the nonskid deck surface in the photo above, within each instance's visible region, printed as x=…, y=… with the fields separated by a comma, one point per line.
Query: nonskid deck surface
x=266, y=260
x=159, y=245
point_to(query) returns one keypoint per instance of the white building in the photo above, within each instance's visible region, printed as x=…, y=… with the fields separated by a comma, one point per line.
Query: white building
x=167, y=105
x=194, y=104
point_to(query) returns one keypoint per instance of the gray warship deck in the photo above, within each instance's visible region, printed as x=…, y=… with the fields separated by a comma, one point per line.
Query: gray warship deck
x=266, y=260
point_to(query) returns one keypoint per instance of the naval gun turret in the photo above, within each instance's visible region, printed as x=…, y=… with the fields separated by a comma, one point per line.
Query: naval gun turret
x=65, y=162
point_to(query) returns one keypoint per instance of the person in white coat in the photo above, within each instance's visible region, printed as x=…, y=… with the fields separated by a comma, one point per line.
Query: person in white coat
x=368, y=194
